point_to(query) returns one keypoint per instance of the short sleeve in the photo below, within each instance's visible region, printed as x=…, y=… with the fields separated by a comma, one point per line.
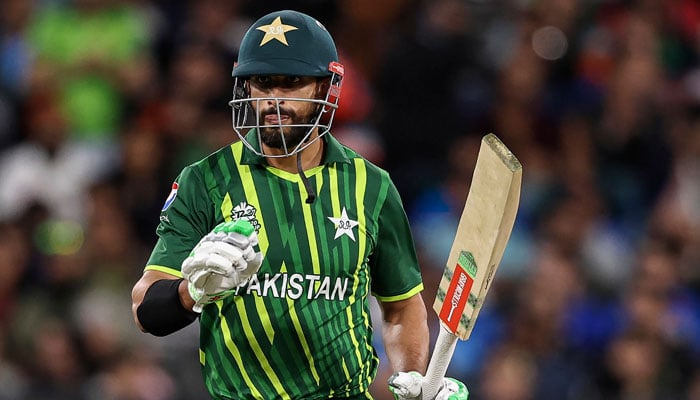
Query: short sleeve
x=393, y=264
x=187, y=215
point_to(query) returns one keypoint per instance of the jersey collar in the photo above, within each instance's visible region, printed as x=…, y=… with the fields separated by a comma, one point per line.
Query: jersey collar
x=334, y=152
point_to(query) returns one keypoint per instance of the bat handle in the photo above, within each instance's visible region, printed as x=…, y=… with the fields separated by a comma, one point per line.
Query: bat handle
x=440, y=360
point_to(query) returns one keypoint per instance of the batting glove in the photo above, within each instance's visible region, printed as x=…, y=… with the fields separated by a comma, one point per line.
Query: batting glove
x=409, y=386
x=221, y=261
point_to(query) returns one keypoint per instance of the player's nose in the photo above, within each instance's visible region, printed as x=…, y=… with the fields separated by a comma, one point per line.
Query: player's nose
x=275, y=100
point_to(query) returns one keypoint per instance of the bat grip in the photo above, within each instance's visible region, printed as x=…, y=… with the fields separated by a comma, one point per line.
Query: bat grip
x=440, y=360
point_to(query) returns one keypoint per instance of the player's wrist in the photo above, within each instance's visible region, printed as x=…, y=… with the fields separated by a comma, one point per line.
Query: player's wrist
x=185, y=297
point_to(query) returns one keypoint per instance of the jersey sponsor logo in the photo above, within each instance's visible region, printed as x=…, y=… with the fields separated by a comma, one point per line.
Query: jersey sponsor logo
x=247, y=212
x=344, y=225
x=171, y=197
x=295, y=286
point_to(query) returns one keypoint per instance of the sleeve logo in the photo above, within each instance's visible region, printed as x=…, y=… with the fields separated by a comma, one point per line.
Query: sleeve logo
x=171, y=197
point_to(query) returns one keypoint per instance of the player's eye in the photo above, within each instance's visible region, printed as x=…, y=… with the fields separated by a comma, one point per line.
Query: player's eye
x=290, y=82
x=286, y=82
x=261, y=81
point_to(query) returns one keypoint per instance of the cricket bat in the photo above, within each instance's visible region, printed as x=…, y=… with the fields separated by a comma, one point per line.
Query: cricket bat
x=483, y=232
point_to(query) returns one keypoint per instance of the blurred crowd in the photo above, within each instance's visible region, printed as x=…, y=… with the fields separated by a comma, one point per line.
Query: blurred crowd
x=102, y=102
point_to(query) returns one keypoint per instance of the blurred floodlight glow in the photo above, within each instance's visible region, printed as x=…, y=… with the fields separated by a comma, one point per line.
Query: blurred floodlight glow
x=549, y=42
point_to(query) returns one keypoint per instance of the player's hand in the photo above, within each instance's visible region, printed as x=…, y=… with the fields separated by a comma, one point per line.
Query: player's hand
x=409, y=386
x=220, y=262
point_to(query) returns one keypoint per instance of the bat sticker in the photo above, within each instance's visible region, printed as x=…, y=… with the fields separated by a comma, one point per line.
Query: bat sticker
x=458, y=291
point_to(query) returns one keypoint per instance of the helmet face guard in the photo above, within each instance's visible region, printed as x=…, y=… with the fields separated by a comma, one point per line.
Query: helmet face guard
x=285, y=43
x=246, y=115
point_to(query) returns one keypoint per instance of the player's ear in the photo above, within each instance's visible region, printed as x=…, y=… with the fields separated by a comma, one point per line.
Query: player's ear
x=246, y=87
x=322, y=85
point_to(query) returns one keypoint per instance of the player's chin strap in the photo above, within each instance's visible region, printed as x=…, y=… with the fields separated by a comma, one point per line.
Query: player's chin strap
x=310, y=193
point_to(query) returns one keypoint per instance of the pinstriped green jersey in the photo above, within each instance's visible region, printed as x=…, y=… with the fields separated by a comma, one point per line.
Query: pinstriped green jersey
x=300, y=328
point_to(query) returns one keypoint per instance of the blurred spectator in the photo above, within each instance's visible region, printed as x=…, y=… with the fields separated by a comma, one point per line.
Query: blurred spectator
x=95, y=54
x=216, y=23
x=12, y=380
x=508, y=375
x=16, y=59
x=54, y=360
x=436, y=211
x=417, y=86
x=136, y=190
x=15, y=52
x=133, y=376
x=677, y=214
x=14, y=260
x=50, y=167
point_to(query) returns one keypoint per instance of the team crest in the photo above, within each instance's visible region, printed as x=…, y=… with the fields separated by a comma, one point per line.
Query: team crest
x=247, y=212
x=171, y=197
x=344, y=225
x=276, y=31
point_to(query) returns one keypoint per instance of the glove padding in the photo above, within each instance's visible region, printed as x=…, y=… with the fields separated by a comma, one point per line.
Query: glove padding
x=409, y=386
x=221, y=261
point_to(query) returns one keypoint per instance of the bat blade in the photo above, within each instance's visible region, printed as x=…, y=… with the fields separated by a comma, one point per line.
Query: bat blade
x=483, y=232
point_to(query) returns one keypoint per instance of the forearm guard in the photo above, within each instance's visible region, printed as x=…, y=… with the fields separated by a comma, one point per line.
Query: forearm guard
x=161, y=312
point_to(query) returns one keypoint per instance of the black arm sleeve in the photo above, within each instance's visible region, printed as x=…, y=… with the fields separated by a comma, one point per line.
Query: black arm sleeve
x=161, y=312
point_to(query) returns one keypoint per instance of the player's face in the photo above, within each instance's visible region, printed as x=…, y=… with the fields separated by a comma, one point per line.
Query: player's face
x=275, y=111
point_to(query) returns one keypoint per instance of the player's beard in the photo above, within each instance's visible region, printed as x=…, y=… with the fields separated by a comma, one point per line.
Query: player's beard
x=271, y=135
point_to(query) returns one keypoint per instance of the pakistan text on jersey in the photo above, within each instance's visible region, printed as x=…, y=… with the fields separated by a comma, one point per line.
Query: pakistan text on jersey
x=294, y=286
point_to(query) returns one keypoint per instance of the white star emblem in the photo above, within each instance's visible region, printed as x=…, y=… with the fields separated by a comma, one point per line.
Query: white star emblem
x=344, y=225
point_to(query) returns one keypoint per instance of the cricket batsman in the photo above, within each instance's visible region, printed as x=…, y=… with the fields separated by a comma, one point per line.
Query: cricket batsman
x=275, y=243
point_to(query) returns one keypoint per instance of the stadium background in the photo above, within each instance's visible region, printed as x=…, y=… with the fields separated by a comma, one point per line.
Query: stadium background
x=103, y=101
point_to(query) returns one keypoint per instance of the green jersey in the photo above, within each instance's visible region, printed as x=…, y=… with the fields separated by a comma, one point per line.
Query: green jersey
x=300, y=328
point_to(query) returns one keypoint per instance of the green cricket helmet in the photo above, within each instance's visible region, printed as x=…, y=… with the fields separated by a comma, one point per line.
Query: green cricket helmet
x=286, y=43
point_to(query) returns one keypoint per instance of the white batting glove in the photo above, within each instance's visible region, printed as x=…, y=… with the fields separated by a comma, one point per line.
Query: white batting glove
x=221, y=261
x=409, y=386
